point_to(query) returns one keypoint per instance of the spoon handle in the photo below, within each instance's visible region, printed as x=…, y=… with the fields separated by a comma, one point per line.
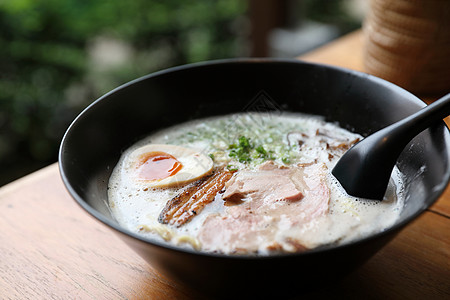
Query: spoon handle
x=365, y=169
x=392, y=139
x=424, y=118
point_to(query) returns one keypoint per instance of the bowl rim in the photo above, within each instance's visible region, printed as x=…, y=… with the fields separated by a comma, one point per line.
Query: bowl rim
x=321, y=249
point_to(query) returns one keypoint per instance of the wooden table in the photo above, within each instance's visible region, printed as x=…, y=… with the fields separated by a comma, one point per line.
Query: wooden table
x=50, y=248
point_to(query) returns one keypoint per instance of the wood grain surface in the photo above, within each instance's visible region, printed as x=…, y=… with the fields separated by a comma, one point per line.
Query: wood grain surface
x=51, y=249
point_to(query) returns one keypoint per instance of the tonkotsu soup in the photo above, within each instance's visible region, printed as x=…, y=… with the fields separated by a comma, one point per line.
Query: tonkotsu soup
x=250, y=183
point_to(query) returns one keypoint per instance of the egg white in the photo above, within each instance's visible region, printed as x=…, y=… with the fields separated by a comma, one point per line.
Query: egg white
x=195, y=165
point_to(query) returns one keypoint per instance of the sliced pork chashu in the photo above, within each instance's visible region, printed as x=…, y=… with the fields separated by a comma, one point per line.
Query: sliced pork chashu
x=267, y=209
x=182, y=208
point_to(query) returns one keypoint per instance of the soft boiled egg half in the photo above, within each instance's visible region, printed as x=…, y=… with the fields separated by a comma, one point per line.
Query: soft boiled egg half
x=163, y=166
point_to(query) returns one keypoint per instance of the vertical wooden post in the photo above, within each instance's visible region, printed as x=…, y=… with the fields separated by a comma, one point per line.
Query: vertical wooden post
x=264, y=16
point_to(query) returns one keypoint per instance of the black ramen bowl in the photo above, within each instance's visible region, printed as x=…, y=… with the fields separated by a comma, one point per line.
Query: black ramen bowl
x=359, y=102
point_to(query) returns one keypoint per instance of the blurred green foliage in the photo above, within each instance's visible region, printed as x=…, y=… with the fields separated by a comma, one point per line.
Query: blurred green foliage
x=332, y=12
x=52, y=65
x=57, y=56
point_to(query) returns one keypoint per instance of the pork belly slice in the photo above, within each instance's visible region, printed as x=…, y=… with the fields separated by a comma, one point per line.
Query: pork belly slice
x=270, y=183
x=182, y=208
x=275, y=205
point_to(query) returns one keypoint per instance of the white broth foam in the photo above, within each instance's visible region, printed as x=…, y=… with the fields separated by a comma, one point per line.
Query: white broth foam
x=287, y=139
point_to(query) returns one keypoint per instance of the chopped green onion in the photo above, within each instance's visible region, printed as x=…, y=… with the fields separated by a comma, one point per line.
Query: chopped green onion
x=244, y=142
x=261, y=150
x=232, y=168
x=286, y=160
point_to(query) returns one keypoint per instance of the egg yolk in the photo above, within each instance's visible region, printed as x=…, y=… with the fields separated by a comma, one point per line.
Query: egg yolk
x=157, y=165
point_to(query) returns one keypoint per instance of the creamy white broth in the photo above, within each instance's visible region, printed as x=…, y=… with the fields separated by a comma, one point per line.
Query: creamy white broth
x=137, y=207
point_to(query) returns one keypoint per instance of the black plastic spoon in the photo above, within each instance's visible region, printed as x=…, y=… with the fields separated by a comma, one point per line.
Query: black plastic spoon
x=365, y=169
